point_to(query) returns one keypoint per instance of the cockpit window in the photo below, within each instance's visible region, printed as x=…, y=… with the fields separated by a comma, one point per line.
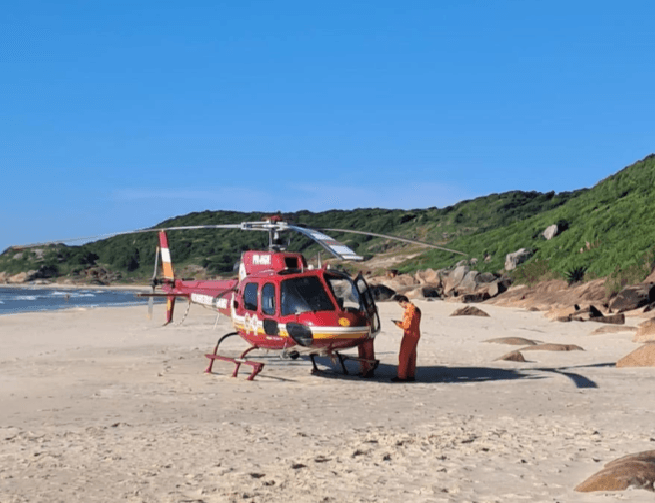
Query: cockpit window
x=250, y=296
x=299, y=295
x=344, y=291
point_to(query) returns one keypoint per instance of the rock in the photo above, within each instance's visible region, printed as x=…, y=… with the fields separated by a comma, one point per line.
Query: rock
x=516, y=341
x=553, y=347
x=382, y=292
x=643, y=356
x=415, y=293
x=469, y=282
x=475, y=297
x=404, y=280
x=428, y=276
x=512, y=356
x=550, y=232
x=486, y=277
x=645, y=331
x=499, y=286
x=611, y=329
x=21, y=277
x=635, y=471
x=431, y=292
x=453, y=278
x=633, y=297
x=469, y=311
x=512, y=260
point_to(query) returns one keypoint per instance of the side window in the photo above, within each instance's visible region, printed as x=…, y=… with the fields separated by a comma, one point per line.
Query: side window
x=250, y=297
x=268, y=299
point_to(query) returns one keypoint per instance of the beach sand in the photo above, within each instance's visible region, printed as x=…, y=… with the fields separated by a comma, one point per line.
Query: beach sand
x=104, y=405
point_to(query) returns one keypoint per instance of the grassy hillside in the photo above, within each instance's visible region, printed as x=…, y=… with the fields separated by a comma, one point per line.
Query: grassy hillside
x=609, y=231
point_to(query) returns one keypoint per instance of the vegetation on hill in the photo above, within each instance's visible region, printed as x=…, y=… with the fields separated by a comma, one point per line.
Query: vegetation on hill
x=607, y=231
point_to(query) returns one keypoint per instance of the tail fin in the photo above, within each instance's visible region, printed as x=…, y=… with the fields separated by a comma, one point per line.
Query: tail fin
x=166, y=264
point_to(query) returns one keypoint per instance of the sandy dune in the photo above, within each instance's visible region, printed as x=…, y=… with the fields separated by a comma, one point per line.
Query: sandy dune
x=103, y=405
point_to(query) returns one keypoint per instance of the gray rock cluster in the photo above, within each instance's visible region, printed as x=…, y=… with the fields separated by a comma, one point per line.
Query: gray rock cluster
x=462, y=282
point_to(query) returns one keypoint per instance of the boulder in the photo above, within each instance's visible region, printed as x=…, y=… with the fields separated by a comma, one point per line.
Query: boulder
x=645, y=331
x=512, y=356
x=469, y=282
x=486, y=277
x=633, y=297
x=612, y=329
x=516, y=341
x=428, y=276
x=550, y=232
x=499, y=286
x=553, y=347
x=636, y=471
x=512, y=260
x=643, y=356
x=475, y=297
x=414, y=293
x=21, y=277
x=469, y=311
x=382, y=292
x=431, y=292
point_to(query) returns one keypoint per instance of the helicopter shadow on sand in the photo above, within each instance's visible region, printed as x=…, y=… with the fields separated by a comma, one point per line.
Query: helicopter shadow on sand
x=463, y=375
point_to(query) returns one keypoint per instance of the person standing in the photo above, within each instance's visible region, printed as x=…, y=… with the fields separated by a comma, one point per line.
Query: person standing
x=412, y=333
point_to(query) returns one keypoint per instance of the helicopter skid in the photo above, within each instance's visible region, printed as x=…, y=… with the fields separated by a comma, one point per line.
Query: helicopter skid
x=256, y=366
x=342, y=359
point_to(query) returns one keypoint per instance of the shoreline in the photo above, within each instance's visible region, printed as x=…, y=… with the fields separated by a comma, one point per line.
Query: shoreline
x=75, y=286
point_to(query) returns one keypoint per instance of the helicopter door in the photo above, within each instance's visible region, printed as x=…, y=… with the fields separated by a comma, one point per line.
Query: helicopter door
x=369, y=304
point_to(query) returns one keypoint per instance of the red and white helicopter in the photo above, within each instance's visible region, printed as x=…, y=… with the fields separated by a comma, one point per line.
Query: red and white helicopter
x=278, y=301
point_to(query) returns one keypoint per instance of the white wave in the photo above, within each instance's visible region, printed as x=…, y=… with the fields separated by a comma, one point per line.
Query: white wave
x=71, y=295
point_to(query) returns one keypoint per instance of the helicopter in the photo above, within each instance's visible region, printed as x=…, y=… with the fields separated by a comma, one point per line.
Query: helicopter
x=279, y=301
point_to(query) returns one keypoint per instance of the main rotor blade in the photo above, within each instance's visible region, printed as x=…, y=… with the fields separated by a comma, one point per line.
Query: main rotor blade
x=406, y=240
x=336, y=248
x=125, y=233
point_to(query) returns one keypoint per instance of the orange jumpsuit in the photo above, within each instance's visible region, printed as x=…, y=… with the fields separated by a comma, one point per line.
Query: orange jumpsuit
x=407, y=357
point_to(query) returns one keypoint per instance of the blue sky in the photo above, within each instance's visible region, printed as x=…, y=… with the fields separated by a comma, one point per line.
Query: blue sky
x=117, y=115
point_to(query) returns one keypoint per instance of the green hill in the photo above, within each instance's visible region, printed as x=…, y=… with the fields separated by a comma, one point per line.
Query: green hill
x=608, y=231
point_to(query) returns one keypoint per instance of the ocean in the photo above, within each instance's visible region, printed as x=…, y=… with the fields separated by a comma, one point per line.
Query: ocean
x=27, y=299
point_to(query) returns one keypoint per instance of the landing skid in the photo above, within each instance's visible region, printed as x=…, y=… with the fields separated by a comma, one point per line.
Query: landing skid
x=256, y=366
x=342, y=359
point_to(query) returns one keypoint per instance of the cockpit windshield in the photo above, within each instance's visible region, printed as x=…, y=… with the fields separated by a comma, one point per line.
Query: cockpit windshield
x=306, y=293
x=344, y=291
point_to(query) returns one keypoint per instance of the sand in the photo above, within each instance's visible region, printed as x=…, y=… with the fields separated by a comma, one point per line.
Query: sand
x=103, y=405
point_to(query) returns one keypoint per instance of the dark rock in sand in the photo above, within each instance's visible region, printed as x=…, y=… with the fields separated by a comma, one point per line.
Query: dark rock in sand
x=469, y=311
x=633, y=471
x=431, y=293
x=512, y=356
x=612, y=329
x=633, y=297
x=516, y=341
x=553, y=347
x=382, y=292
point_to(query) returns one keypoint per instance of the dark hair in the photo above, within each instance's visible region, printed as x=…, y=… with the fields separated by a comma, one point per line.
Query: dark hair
x=400, y=298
